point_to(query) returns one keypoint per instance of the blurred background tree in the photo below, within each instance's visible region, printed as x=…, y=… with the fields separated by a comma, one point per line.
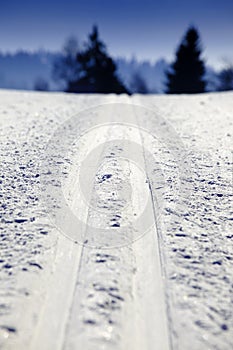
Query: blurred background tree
x=226, y=78
x=138, y=84
x=41, y=84
x=187, y=72
x=97, y=70
x=66, y=68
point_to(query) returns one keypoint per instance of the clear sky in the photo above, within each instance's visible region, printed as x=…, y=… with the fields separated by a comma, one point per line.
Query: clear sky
x=148, y=29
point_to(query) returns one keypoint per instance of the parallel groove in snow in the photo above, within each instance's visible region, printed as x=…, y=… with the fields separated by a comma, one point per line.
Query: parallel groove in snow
x=117, y=300
x=110, y=291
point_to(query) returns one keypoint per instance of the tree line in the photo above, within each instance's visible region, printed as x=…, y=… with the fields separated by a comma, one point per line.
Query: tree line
x=92, y=70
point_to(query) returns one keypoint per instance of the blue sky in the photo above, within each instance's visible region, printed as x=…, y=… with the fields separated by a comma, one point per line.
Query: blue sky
x=147, y=29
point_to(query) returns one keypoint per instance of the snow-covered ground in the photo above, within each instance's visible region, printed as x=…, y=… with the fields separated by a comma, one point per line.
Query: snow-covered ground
x=116, y=221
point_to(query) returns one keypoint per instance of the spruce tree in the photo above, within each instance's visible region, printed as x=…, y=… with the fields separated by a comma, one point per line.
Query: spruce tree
x=138, y=84
x=187, y=72
x=226, y=79
x=65, y=67
x=97, y=69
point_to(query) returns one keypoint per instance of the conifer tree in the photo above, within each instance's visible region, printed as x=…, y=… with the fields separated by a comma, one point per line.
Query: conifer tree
x=138, y=84
x=97, y=69
x=226, y=79
x=187, y=72
x=66, y=68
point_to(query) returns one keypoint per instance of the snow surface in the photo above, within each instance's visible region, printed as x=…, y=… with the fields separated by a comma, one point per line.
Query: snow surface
x=165, y=284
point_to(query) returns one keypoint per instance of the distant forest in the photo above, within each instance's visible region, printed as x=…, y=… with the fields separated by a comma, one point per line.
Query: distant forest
x=88, y=68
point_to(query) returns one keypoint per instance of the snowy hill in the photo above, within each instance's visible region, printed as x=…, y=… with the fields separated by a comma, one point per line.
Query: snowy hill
x=116, y=221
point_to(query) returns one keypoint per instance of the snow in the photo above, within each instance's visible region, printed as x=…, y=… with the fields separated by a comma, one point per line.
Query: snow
x=77, y=268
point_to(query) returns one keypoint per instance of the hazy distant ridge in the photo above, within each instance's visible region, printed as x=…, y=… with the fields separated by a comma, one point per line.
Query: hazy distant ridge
x=20, y=70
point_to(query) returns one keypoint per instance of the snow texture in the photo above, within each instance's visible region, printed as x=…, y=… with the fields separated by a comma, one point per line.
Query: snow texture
x=74, y=295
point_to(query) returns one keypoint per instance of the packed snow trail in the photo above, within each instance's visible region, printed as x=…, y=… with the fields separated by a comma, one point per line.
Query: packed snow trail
x=116, y=221
x=114, y=296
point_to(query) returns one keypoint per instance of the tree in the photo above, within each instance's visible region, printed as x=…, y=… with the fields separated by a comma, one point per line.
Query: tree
x=97, y=69
x=226, y=79
x=66, y=68
x=138, y=84
x=187, y=72
x=41, y=84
